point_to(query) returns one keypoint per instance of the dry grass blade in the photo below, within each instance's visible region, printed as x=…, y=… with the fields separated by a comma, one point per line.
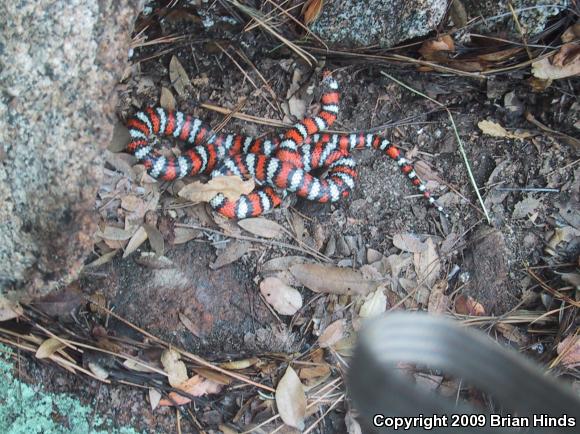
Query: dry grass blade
x=459, y=141
x=308, y=58
x=245, y=117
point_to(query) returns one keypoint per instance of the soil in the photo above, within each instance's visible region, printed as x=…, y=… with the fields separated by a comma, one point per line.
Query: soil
x=488, y=261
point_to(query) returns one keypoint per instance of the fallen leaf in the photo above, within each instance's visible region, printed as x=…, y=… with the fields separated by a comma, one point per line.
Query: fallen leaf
x=131, y=202
x=427, y=264
x=103, y=259
x=283, y=298
x=135, y=366
x=565, y=63
x=114, y=233
x=178, y=77
x=291, y=400
x=138, y=238
x=525, y=207
x=262, y=227
x=331, y=279
x=61, y=303
x=49, y=347
x=183, y=235
x=438, y=301
x=154, y=398
x=195, y=386
x=571, y=33
x=283, y=263
x=233, y=251
x=215, y=376
x=175, y=368
x=311, y=10
x=9, y=309
x=375, y=304
x=189, y=325
x=569, y=350
x=238, y=365
x=232, y=187
x=496, y=130
x=498, y=56
x=155, y=239
x=468, y=306
x=167, y=100
x=408, y=243
x=99, y=371
x=332, y=334
x=151, y=260
x=314, y=372
x=433, y=48
x=512, y=333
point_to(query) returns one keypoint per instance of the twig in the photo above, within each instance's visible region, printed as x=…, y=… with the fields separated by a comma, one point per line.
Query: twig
x=310, y=251
x=459, y=141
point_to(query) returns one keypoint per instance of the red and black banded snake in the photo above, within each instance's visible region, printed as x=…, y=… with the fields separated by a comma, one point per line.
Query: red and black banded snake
x=282, y=162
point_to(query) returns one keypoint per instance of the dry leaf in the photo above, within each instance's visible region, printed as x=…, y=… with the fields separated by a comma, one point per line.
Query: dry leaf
x=283, y=298
x=154, y=398
x=291, y=399
x=501, y=55
x=99, y=371
x=195, y=386
x=49, y=347
x=178, y=77
x=569, y=350
x=231, y=187
x=175, y=368
x=375, y=304
x=512, y=333
x=183, y=235
x=135, y=366
x=114, y=233
x=167, y=100
x=151, y=260
x=434, y=48
x=311, y=10
x=314, y=372
x=331, y=279
x=9, y=309
x=131, y=202
x=136, y=240
x=496, y=130
x=189, y=325
x=427, y=264
x=438, y=301
x=525, y=207
x=571, y=33
x=238, y=365
x=262, y=227
x=61, y=302
x=233, y=251
x=155, y=239
x=103, y=259
x=283, y=263
x=332, y=334
x=408, y=243
x=565, y=63
x=468, y=306
x=215, y=376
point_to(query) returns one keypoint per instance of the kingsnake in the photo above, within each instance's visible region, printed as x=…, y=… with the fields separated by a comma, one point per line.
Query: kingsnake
x=283, y=162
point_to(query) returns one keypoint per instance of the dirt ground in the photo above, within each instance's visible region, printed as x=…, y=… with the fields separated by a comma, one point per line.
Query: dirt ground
x=484, y=261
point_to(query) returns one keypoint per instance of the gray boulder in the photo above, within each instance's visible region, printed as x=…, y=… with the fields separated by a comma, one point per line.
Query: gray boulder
x=59, y=63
